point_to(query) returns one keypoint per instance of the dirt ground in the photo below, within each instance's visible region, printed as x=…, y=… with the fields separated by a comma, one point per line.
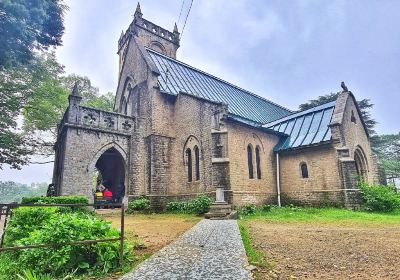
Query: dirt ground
x=151, y=232
x=327, y=250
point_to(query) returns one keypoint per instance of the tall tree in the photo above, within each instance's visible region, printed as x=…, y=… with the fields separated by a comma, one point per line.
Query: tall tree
x=26, y=26
x=387, y=149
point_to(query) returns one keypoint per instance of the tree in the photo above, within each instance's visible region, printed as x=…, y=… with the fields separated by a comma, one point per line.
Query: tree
x=387, y=149
x=40, y=93
x=26, y=26
x=365, y=105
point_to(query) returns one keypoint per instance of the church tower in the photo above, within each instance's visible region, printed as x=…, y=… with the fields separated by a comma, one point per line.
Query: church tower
x=149, y=35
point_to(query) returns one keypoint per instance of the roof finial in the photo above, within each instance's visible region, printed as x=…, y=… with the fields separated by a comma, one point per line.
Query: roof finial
x=138, y=12
x=75, y=91
x=343, y=85
x=138, y=8
x=175, y=28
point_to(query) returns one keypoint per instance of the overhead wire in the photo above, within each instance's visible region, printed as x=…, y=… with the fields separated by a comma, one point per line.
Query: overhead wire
x=180, y=12
x=187, y=15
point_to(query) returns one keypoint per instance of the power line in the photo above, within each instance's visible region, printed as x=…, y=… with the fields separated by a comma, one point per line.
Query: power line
x=180, y=12
x=186, y=18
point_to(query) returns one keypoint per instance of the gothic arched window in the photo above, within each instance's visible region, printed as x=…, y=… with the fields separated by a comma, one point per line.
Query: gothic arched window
x=189, y=164
x=197, y=162
x=304, y=170
x=258, y=163
x=250, y=161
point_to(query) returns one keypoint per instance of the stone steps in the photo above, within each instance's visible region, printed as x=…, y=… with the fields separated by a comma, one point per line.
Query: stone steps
x=220, y=211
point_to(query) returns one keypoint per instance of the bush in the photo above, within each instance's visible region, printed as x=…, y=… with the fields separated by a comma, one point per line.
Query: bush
x=199, y=205
x=139, y=204
x=46, y=225
x=56, y=200
x=248, y=209
x=266, y=207
x=379, y=198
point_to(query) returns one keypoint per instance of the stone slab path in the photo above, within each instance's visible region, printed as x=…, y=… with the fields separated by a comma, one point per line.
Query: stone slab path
x=212, y=249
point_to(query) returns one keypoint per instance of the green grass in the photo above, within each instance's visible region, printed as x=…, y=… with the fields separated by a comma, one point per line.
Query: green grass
x=324, y=215
x=254, y=256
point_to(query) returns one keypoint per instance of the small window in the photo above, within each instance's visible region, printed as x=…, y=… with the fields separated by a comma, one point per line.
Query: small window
x=353, y=118
x=189, y=163
x=258, y=166
x=304, y=170
x=250, y=161
x=197, y=161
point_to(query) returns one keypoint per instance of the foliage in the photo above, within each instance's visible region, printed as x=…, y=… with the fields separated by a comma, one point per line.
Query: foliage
x=26, y=26
x=49, y=225
x=13, y=192
x=248, y=209
x=40, y=92
x=379, y=198
x=29, y=275
x=199, y=205
x=387, y=149
x=56, y=200
x=140, y=204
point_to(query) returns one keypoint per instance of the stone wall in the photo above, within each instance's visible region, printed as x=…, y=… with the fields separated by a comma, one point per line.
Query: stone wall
x=243, y=189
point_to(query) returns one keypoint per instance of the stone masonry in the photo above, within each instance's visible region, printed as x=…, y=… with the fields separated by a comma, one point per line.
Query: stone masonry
x=152, y=132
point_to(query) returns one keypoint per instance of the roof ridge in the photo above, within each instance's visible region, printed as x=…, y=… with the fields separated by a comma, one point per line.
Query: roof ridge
x=303, y=112
x=217, y=78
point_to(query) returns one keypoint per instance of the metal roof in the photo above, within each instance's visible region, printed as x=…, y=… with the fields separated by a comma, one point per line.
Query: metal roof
x=304, y=128
x=176, y=77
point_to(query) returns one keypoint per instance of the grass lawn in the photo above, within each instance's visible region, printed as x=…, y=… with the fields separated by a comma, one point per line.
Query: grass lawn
x=149, y=232
x=327, y=243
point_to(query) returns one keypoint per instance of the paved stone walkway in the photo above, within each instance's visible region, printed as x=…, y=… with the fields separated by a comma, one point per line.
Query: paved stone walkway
x=212, y=249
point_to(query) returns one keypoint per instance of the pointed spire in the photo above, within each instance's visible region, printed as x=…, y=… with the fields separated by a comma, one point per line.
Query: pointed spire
x=175, y=28
x=75, y=91
x=138, y=12
x=138, y=8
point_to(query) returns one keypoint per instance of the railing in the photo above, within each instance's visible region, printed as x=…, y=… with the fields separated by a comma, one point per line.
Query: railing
x=6, y=213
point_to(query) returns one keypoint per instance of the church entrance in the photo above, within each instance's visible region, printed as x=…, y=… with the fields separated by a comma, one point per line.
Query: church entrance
x=110, y=175
x=361, y=164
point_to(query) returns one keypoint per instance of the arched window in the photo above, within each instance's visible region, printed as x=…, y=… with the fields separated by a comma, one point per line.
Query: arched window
x=250, y=161
x=304, y=170
x=197, y=162
x=258, y=164
x=189, y=162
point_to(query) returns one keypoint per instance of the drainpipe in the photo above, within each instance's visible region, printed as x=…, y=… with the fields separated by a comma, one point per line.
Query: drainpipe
x=278, y=183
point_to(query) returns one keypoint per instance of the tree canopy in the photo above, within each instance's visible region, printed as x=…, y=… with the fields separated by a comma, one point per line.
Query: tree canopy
x=26, y=26
x=387, y=149
x=39, y=94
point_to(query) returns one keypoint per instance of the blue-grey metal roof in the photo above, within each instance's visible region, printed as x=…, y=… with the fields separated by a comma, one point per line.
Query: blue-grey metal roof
x=179, y=77
x=304, y=128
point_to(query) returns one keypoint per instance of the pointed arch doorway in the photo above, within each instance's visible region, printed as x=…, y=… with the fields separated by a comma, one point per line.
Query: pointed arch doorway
x=111, y=173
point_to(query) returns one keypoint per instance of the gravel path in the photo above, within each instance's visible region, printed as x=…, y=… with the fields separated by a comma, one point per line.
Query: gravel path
x=212, y=249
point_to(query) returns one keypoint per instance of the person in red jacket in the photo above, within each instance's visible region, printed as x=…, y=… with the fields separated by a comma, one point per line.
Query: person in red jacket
x=107, y=193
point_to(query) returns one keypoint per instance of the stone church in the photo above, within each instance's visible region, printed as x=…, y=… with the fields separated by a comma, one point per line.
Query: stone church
x=177, y=131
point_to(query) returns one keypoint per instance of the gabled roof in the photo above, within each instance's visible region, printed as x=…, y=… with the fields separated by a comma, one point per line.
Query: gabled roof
x=304, y=128
x=176, y=77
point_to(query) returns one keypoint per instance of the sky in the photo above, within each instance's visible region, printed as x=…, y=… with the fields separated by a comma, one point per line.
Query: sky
x=286, y=51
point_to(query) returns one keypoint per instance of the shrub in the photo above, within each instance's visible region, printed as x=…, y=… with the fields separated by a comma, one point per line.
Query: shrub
x=56, y=200
x=139, y=204
x=199, y=205
x=248, y=209
x=266, y=207
x=379, y=198
x=177, y=207
x=49, y=226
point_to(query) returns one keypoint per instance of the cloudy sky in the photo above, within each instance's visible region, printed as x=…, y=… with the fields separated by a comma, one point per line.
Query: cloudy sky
x=286, y=51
